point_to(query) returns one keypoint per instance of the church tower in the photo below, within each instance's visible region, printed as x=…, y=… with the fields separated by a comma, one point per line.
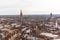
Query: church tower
x=50, y=15
x=21, y=16
x=20, y=13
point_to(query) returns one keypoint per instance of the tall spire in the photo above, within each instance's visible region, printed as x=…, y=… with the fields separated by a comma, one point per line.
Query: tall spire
x=21, y=16
x=20, y=13
x=50, y=14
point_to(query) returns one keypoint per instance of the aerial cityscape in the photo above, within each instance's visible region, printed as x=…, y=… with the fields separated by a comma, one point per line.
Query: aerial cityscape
x=29, y=19
x=30, y=27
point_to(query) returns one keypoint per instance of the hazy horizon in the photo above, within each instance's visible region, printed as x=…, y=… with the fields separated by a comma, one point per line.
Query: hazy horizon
x=30, y=14
x=13, y=7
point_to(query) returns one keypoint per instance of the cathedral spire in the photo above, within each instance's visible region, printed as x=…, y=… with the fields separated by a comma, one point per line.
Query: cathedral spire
x=20, y=13
x=21, y=16
x=50, y=14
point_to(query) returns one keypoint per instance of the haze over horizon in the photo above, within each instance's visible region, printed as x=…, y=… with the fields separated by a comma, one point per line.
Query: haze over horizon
x=29, y=7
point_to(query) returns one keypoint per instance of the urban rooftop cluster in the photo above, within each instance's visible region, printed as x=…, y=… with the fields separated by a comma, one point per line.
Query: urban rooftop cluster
x=30, y=28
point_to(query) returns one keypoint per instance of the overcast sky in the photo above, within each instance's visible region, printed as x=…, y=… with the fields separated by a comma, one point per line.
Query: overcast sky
x=12, y=7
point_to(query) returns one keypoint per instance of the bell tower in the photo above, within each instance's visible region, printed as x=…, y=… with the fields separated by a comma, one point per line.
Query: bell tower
x=50, y=15
x=21, y=16
x=21, y=13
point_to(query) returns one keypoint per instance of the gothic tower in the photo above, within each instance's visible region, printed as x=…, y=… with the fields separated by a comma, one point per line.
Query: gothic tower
x=20, y=13
x=50, y=14
x=21, y=16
